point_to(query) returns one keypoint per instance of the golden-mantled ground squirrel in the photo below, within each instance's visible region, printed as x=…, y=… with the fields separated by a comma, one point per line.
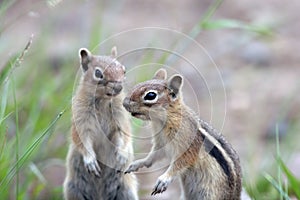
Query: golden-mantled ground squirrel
x=101, y=134
x=205, y=162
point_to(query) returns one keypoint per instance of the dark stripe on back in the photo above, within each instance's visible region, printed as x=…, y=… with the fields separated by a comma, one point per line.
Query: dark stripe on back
x=230, y=152
x=224, y=144
x=216, y=153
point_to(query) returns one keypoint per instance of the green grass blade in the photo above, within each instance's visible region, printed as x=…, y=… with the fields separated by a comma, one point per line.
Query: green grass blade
x=211, y=10
x=17, y=134
x=15, y=63
x=294, y=182
x=278, y=156
x=276, y=186
x=5, y=117
x=18, y=165
x=6, y=68
x=230, y=23
x=4, y=95
x=96, y=35
x=3, y=106
x=35, y=170
x=195, y=31
x=221, y=24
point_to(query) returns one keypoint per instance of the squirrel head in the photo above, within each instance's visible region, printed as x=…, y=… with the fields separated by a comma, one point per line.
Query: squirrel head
x=154, y=96
x=103, y=74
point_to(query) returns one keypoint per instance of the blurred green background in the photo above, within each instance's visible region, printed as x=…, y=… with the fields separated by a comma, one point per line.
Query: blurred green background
x=240, y=60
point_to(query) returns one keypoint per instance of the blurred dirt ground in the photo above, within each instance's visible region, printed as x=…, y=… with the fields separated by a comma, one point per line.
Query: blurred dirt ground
x=260, y=73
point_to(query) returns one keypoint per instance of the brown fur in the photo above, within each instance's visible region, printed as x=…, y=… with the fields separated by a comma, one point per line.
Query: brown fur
x=101, y=135
x=206, y=164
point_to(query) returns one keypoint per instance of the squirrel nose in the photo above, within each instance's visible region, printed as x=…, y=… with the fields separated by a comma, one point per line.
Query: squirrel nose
x=126, y=103
x=118, y=88
x=113, y=88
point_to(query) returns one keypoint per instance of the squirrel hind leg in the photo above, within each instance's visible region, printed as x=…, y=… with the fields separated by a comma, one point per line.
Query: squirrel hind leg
x=75, y=192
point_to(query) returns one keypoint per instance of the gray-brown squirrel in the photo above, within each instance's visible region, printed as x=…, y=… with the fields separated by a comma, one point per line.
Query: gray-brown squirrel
x=101, y=134
x=207, y=165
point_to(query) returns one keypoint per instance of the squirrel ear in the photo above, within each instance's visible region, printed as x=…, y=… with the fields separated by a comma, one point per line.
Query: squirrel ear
x=114, y=52
x=160, y=74
x=85, y=57
x=175, y=84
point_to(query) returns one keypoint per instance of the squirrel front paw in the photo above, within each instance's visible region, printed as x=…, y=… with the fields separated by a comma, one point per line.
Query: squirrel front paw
x=92, y=166
x=162, y=184
x=136, y=165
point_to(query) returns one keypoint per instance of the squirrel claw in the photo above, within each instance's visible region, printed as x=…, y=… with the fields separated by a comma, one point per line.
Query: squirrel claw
x=161, y=186
x=134, y=167
x=130, y=169
x=93, y=168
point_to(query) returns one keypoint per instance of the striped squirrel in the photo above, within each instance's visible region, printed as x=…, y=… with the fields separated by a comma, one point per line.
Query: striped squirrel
x=101, y=134
x=205, y=162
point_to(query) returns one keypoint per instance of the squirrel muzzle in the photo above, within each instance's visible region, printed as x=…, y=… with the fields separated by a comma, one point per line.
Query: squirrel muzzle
x=113, y=88
x=134, y=108
x=126, y=104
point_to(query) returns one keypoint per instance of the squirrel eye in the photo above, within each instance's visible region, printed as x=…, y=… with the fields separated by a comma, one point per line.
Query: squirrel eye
x=150, y=96
x=98, y=74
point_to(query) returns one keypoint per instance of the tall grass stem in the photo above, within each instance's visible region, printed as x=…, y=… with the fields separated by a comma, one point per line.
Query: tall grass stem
x=16, y=109
x=279, y=176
